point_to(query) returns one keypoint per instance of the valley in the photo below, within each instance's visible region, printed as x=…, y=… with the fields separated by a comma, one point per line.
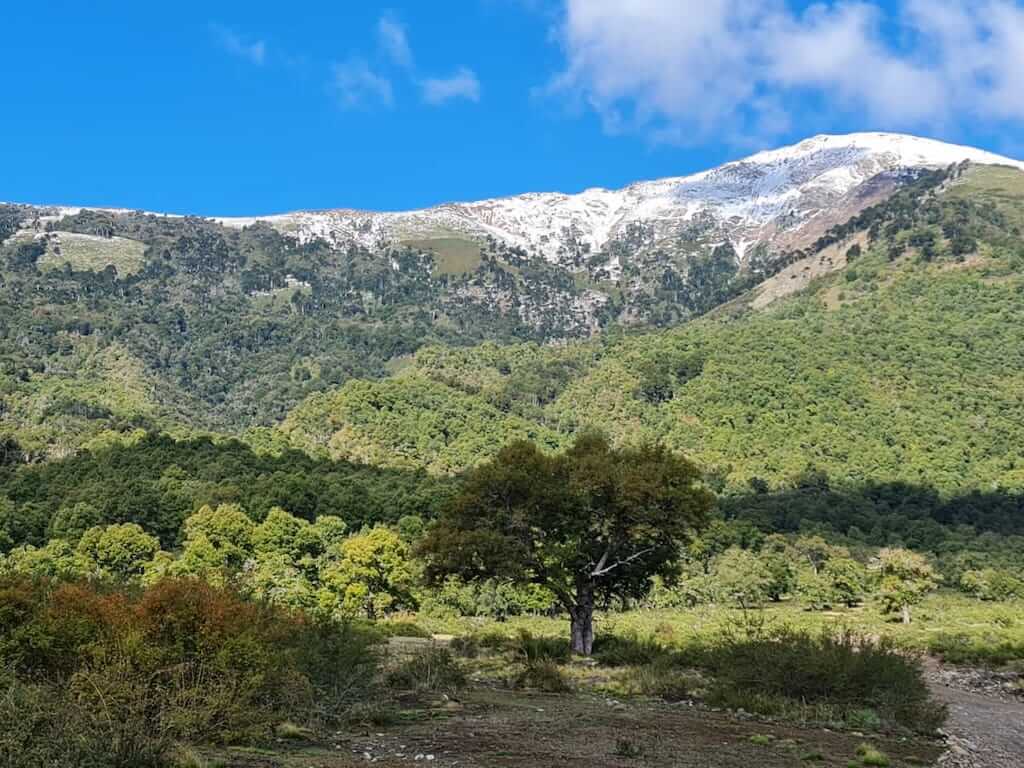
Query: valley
x=725, y=469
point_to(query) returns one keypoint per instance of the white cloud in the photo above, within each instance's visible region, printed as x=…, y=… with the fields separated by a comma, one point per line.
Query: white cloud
x=461, y=85
x=394, y=41
x=357, y=86
x=684, y=71
x=254, y=52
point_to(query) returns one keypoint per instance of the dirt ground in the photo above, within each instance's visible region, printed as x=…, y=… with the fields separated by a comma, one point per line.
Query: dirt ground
x=501, y=728
x=985, y=727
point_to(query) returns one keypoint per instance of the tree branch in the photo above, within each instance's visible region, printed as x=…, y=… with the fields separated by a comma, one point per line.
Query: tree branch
x=601, y=569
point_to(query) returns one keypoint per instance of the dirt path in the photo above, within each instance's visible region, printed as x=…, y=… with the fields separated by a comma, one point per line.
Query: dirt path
x=985, y=730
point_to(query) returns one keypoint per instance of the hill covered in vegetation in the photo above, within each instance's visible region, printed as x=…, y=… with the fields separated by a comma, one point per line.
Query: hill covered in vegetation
x=904, y=363
x=898, y=363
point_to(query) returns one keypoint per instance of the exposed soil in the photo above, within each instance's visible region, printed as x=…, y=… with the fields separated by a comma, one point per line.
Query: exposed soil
x=986, y=723
x=494, y=728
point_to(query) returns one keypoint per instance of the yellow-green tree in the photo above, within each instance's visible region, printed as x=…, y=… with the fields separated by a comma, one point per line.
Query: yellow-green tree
x=120, y=551
x=370, y=573
x=906, y=577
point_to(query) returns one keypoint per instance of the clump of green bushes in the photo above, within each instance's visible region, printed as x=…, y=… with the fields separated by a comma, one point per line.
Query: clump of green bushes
x=431, y=670
x=103, y=677
x=843, y=678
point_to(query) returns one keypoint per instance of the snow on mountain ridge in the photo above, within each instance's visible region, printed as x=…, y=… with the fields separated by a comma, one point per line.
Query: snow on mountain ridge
x=748, y=197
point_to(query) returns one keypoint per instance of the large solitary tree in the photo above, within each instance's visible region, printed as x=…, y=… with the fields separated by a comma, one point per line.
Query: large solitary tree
x=590, y=524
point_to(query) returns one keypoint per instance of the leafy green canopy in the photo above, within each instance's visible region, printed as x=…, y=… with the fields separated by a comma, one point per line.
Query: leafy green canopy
x=593, y=518
x=158, y=482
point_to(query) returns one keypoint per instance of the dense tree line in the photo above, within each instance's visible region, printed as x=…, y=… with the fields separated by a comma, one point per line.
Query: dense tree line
x=158, y=481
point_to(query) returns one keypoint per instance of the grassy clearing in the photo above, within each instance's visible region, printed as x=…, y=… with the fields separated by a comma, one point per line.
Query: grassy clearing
x=277, y=298
x=88, y=252
x=1000, y=185
x=452, y=255
x=956, y=627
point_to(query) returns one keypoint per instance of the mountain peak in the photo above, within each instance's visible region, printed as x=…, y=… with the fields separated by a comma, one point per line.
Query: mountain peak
x=779, y=197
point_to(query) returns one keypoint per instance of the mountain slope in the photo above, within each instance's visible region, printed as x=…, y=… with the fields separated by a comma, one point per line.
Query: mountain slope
x=907, y=365
x=773, y=197
x=126, y=321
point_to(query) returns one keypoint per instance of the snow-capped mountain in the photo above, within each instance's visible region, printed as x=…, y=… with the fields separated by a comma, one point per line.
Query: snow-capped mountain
x=784, y=198
x=541, y=265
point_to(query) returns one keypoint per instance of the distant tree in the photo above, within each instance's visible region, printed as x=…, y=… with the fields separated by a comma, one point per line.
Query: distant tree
x=811, y=589
x=906, y=577
x=281, y=533
x=853, y=252
x=370, y=572
x=121, y=551
x=717, y=537
x=992, y=584
x=8, y=524
x=593, y=523
x=275, y=577
x=742, y=577
x=219, y=537
x=846, y=580
x=813, y=550
x=22, y=523
x=327, y=530
x=10, y=450
x=57, y=560
x=840, y=580
x=655, y=384
x=411, y=528
x=72, y=521
x=777, y=556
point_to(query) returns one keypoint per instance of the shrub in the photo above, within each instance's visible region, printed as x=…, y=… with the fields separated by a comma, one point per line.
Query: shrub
x=467, y=646
x=662, y=680
x=401, y=628
x=538, y=649
x=121, y=676
x=869, y=755
x=844, y=674
x=627, y=650
x=626, y=747
x=433, y=670
x=543, y=676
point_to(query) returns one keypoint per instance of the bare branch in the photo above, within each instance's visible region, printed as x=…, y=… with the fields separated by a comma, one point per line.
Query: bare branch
x=601, y=571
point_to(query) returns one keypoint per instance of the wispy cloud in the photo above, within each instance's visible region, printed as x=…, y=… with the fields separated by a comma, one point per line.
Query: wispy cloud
x=464, y=84
x=681, y=74
x=356, y=86
x=394, y=41
x=255, y=51
x=359, y=84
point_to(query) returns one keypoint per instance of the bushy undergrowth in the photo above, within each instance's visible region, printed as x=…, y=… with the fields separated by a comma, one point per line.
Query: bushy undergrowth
x=432, y=670
x=628, y=649
x=111, y=678
x=961, y=648
x=542, y=675
x=841, y=677
x=661, y=679
x=540, y=649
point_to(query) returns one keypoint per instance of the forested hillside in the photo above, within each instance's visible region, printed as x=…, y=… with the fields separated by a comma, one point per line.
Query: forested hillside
x=907, y=365
x=901, y=363
x=125, y=321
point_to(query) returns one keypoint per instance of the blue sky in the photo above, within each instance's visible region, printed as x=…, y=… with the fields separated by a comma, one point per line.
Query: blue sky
x=252, y=108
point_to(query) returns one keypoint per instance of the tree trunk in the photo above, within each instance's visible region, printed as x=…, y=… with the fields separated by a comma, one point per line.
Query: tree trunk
x=582, y=618
x=905, y=610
